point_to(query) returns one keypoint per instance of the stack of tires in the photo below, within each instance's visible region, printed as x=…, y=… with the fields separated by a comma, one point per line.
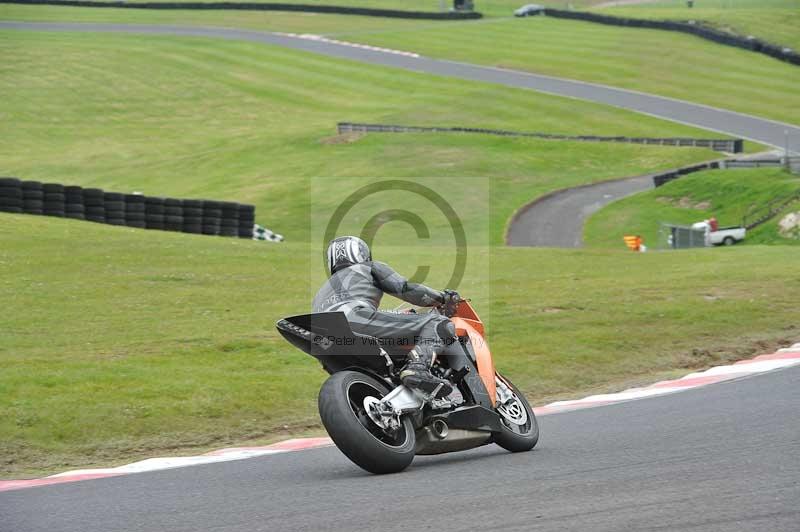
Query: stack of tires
x=73, y=203
x=134, y=211
x=193, y=216
x=94, y=205
x=10, y=195
x=114, y=204
x=154, y=213
x=206, y=217
x=229, y=225
x=212, y=217
x=247, y=219
x=173, y=214
x=32, y=197
x=54, y=200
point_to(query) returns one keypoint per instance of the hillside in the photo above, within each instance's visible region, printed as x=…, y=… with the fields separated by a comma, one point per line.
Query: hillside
x=727, y=194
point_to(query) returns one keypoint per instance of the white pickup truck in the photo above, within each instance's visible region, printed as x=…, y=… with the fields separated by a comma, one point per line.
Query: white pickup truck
x=727, y=236
x=724, y=236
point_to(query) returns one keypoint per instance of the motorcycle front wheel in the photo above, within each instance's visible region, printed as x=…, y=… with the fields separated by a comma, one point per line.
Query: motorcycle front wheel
x=520, y=430
x=341, y=408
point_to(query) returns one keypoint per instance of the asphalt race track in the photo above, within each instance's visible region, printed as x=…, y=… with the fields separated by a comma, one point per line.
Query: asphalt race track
x=729, y=122
x=725, y=457
x=557, y=220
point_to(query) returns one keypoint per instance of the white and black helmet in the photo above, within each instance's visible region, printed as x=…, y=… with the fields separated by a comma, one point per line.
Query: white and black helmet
x=345, y=251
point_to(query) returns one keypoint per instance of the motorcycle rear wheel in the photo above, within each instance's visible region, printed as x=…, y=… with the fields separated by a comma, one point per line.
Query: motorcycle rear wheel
x=517, y=437
x=341, y=408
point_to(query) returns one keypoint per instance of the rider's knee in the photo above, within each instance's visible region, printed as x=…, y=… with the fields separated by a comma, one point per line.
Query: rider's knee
x=446, y=331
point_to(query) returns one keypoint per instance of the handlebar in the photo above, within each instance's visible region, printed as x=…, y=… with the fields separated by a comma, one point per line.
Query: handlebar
x=450, y=307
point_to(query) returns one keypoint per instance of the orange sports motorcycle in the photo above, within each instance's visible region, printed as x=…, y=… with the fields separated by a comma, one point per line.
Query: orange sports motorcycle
x=380, y=424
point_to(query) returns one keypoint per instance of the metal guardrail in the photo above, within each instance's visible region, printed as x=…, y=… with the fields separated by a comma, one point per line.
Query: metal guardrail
x=666, y=177
x=698, y=29
x=793, y=163
x=721, y=145
x=758, y=216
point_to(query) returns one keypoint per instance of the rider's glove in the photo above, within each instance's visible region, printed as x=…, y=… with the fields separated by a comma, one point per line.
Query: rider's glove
x=450, y=296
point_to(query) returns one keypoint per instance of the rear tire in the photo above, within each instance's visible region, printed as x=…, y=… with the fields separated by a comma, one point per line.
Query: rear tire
x=514, y=437
x=354, y=433
x=729, y=241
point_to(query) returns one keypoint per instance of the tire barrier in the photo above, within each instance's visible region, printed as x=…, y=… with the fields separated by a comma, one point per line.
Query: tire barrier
x=223, y=218
x=54, y=200
x=698, y=29
x=11, y=195
x=94, y=205
x=114, y=204
x=73, y=203
x=32, y=197
x=134, y=211
x=721, y=145
x=173, y=214
x=247, y=220
x=154, y=213
x=192, y=216
x=229, y=224
x=212, y=216
x=252, y=6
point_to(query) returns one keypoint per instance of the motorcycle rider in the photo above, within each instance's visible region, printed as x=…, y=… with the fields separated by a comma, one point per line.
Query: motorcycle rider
x=356, y=286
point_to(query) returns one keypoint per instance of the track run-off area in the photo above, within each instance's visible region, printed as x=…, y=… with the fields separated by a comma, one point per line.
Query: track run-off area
x=740, y=125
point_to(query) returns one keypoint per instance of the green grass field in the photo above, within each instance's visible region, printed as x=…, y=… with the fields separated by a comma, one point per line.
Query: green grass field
x=119, y=343
x=658, y=62
x=491, y=8
x=260, y=20
x=775, y=21
x=727, y=194
x=197, y=118
x=646, y=60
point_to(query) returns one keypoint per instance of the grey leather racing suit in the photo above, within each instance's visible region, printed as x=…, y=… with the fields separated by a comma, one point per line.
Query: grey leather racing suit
x=357, y=291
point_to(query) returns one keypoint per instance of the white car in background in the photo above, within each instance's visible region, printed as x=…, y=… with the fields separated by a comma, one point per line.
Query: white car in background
x=724, y=236
x=529, y=9
x=727, y=236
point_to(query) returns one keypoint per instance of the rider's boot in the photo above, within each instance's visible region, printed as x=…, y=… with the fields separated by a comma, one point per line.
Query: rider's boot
x=417, y=374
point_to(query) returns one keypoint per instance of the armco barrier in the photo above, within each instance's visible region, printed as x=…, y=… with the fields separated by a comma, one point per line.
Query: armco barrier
x=697, y=29
x=132, y=210
x=792, y=163
x=253, y=6
x=666, y=177
x=721, y=145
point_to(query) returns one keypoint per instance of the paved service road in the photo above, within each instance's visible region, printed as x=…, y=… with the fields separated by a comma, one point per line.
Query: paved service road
x=557, y=220
x=725, y=457
x=740, y=125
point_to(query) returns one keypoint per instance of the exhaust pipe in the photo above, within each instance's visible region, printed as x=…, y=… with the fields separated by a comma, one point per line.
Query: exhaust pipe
x=439, y=429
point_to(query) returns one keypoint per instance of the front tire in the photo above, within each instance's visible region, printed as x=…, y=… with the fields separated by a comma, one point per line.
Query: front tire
x=341, y=408
x=520, y=430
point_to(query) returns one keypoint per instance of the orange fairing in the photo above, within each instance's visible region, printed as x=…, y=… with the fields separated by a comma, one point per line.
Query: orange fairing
x=468, y=323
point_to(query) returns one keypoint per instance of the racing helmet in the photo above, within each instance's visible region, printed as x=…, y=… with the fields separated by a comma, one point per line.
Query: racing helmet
x=345, y=251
